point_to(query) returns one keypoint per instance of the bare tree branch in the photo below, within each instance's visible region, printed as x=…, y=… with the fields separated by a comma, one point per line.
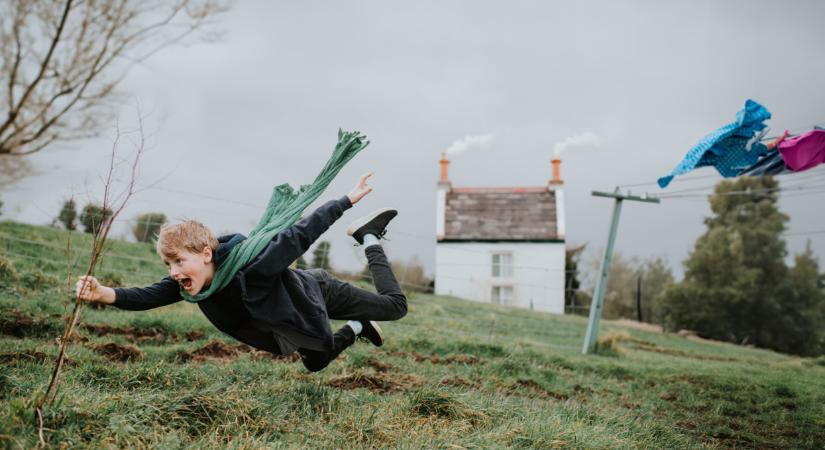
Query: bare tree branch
x=43, y=66
x=61, y=67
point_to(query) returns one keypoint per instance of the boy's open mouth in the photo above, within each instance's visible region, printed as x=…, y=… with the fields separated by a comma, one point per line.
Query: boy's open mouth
x=186, y=283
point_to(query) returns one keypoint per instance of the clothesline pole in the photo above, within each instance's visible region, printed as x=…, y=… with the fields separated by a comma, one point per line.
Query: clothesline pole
x=604, y=269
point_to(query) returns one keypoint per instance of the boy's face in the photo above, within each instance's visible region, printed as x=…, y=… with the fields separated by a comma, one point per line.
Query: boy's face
x=193, y=271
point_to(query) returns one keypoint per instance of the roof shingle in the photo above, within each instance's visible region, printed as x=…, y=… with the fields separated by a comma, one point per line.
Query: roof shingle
x=526, y=214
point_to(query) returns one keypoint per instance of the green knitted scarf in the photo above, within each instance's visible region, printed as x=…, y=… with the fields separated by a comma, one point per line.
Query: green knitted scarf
x=284, y=209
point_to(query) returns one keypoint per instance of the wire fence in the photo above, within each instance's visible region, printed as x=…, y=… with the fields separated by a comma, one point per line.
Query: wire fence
x=51, y=256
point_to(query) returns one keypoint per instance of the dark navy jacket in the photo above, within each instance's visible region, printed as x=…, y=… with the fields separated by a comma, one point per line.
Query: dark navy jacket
x=267, y=305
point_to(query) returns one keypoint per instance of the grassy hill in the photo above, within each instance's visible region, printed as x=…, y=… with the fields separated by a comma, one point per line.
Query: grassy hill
x=453, y=374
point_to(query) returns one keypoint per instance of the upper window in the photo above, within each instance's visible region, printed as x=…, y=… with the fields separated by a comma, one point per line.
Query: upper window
x=502, y=265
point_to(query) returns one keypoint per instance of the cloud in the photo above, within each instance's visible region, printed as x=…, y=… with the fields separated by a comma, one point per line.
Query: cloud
x=587, y=139
x=469, y=142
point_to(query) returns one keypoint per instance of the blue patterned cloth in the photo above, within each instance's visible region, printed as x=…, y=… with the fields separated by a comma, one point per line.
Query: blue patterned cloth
x=725, y=149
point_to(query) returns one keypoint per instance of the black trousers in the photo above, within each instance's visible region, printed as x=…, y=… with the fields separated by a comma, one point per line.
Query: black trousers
x=347, y=302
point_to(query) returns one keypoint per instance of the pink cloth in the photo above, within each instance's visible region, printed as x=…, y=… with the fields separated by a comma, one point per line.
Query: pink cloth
x=805, y=151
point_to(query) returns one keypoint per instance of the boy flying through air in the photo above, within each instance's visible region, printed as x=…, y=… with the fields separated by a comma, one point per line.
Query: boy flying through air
x=266, y=304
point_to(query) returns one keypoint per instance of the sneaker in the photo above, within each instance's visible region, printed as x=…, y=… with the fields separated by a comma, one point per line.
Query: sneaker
x=372, y=332
x=374, y=223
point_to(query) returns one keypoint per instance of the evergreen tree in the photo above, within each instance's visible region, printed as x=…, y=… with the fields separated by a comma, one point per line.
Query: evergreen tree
x=801, y=320
x=68, y=215
x=737, y=286
x=147, y=226
x=320, y=256
x=301, y=263
x=93, y=217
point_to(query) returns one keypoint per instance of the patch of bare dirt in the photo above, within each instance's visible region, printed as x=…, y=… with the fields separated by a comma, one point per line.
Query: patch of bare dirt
x=378, y=365
x=214, y=350
x=648, y=347
x=459, y=381
x=221, y=351
x=16, y=323
x=534, y=389
x=435, y=359
x=260, y=354
x=23, y=356
x=119, y=353
x=628, y=404
x=378, y=382
x=142, y=335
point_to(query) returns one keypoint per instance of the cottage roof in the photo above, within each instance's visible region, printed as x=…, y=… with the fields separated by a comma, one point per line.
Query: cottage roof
x=501, y=214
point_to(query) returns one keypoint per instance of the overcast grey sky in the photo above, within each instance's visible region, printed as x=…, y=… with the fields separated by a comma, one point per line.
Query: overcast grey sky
x=650, y=78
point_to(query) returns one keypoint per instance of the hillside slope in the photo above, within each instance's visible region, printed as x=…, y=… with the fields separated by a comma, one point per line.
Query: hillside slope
x=453, y=374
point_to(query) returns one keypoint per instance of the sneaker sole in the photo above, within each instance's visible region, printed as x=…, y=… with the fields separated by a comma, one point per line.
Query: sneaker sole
x=354, y=226
x=379, y=331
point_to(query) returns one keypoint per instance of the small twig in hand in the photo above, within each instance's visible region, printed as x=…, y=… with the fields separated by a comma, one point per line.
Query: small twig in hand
x=98, y=247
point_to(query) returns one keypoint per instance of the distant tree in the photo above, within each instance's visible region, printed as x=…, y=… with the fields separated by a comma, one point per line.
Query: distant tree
x=93, y=217
x=620, y=296
x=656, y=278
x=620, y=299
x=737, y=287
x=60, y=61
x=147, y=226
x=410, y=274
x=1, y=207
x=68, y=215
x=301, y=263
x=574, y=301
x=320, y=256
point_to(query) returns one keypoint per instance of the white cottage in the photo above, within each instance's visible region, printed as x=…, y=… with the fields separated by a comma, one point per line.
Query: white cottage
x=501, y=245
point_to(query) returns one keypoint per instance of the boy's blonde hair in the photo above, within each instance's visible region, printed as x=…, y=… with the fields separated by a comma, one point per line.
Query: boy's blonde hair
x=188, y=235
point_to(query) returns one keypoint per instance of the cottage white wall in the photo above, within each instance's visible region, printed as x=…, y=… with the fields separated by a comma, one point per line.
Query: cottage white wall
x=465, y=270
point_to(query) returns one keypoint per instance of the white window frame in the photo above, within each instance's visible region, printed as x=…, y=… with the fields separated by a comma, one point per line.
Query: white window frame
x=497, y=297
x=501, y=265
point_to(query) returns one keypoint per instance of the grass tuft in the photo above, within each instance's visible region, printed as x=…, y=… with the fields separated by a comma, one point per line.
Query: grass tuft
x=608, y=343
x=427, y=403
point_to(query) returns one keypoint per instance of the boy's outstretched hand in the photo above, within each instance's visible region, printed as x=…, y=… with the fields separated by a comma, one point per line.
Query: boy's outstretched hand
x=361, y=189
x=90, y=290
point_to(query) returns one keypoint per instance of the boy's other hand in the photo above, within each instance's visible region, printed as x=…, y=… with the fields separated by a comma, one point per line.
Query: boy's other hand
x=90, y=290
x=361, y=189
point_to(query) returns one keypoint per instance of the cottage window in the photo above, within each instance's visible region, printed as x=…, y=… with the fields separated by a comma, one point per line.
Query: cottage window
x=502, y=295
x=502, y=265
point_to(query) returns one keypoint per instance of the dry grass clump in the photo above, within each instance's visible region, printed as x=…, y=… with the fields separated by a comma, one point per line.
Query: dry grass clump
x=440, y=404
x=608, y=344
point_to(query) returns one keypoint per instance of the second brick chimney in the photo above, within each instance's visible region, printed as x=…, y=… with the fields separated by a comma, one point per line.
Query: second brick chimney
x=556, y=165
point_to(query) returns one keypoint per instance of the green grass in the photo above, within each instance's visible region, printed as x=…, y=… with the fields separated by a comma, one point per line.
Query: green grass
x=453, y=374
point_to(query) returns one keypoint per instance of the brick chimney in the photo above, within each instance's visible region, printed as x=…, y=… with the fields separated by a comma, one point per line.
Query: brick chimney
x=444, y=186
x=556, y=184
x=556, y=164
x=444, y=168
